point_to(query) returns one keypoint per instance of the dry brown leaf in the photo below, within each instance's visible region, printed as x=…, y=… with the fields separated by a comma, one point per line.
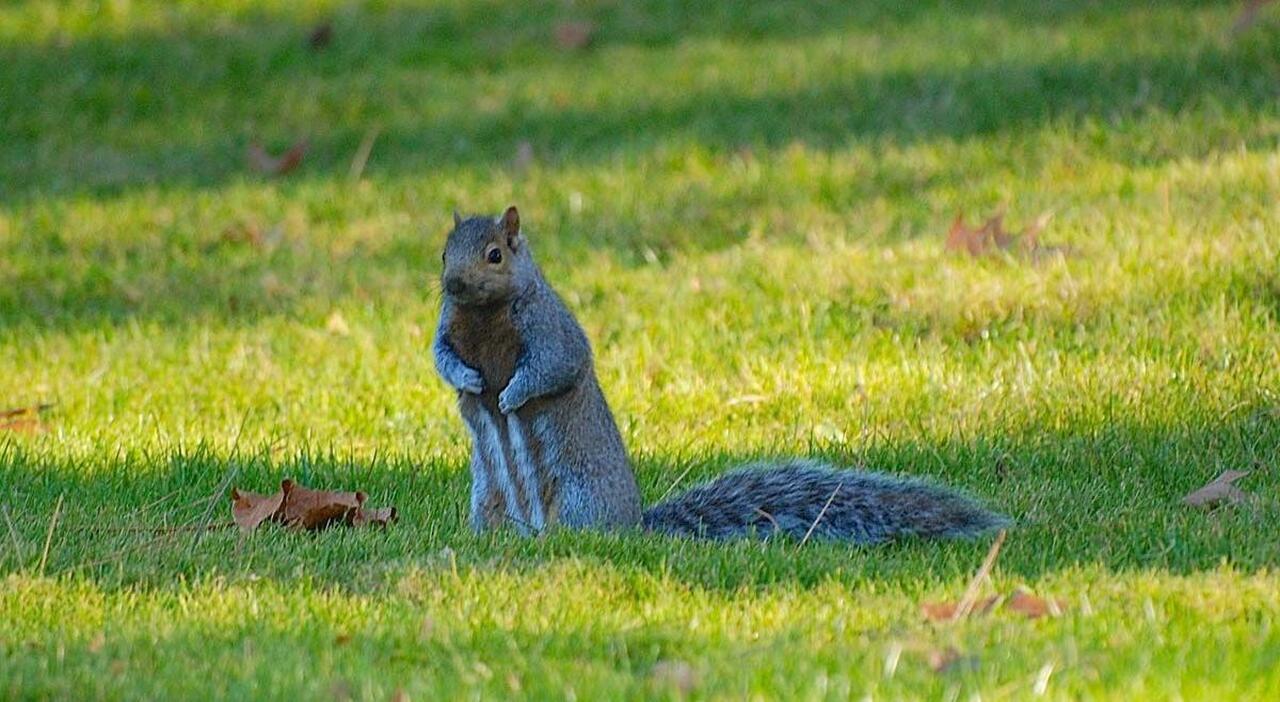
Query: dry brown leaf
x=574, y=34
x=947, y=611
x=302, y=507
x=992, y=236
x=314, y=509
x=941, y=660
x=1248, y=16
x=250, y=509
x=1219, y=490
x=972, y=240
x=239, y=233
x=264, y=162
x=24, y=420
x=1031, y=606
x=969, y=604
x=381, y=516
x=24, y=411
x=24, y=426
x=1020, y=601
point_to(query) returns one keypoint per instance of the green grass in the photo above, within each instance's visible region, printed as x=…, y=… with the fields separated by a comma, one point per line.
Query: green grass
x=746, y=208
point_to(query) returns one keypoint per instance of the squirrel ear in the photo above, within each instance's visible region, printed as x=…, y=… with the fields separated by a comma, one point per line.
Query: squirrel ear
x=457, y=219
x=511, y=226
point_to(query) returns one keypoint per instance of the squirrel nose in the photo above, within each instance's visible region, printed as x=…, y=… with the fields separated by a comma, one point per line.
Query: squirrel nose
x=454, y=286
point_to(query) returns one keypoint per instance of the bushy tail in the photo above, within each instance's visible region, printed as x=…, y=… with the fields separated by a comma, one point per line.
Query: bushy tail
x=806, y=498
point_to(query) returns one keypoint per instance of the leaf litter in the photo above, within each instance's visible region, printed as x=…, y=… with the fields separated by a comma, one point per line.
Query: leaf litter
x=263, y=162
x=991, y=237
x=1020, y=601
x=571, y=35
x=301, y=507
x=24, y=420
x=1248, y=16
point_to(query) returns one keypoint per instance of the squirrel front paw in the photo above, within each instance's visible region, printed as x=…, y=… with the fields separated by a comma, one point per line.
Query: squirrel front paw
x=468, y=380
x=509, y=401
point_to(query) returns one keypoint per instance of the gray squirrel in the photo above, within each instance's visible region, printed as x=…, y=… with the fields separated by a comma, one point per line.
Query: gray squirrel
x=546, y=449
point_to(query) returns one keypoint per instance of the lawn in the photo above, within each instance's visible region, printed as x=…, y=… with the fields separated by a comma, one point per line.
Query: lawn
x=747, y=208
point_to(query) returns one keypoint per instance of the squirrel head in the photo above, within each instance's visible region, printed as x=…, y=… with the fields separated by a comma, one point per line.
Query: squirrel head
x=486, y=260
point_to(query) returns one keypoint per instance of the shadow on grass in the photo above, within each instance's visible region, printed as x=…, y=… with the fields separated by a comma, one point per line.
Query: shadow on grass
x=184, y=105
x=196, y=136
x=1109, y=497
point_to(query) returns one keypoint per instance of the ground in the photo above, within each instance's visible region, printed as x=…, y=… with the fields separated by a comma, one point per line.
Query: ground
x=747, y=207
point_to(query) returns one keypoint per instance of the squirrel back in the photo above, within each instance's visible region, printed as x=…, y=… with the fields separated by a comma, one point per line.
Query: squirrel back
x=547, y=448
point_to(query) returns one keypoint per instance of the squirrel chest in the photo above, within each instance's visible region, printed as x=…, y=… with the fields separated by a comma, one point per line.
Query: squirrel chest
x=486, y=339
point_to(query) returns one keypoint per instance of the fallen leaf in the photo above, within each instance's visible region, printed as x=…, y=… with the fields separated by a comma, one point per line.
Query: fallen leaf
x=250, y=234
x=969, y=604
x=302, y=507
x=940, y=660
x=264, y=162
x=1248, y=16
x=1020, y=601
x=992, y=237
x=24, y=420
x=1219, y=490
x=376, y=517
x=22, y=411
x=24, y=426
x=674, y=675
x=314, y=509
x=320, y=36
x=249, y=509
x=574, y=34
x=1032, y=607
x=946, y=611
x=973, y=240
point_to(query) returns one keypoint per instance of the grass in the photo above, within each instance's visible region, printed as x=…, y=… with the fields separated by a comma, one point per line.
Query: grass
x=746, y=208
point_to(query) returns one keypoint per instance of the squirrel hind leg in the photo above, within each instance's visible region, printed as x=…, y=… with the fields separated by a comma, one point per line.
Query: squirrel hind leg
x=531, y=474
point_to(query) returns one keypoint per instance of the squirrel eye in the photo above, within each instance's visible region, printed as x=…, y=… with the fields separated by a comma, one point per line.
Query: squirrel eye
x=495, y=256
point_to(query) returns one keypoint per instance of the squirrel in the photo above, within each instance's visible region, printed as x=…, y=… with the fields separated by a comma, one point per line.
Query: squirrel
x=546, y=449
